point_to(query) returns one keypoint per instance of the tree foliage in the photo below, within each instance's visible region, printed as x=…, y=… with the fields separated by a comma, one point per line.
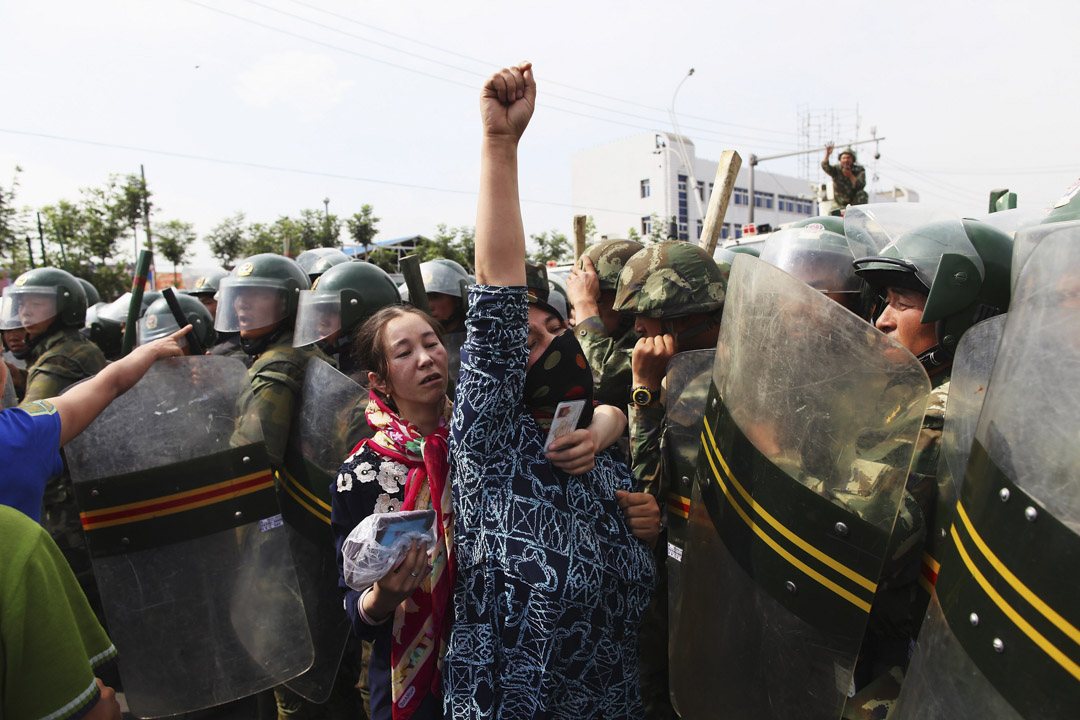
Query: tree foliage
x=457, y=244
x=363, y=226
x=551, y=247
x=174, y=239
x=226, y=239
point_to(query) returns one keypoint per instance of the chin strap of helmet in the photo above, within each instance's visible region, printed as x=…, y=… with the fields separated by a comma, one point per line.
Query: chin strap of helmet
x=256, y=346
x=935, y=357
x=31, y=342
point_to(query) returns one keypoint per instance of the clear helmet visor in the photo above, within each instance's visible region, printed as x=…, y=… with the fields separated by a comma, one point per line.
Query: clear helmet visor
x=27, y=306
x=817, y=257
x=318, y=316
x=117, y=310
x=245, y=307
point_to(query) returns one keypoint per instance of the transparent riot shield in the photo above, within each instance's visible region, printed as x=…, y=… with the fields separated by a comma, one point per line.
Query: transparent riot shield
x=1000, y=639
x=453, y=343
x=187, y=542
x=689, y=375
x=809, y=430
x=970, y=377
x=331, y=422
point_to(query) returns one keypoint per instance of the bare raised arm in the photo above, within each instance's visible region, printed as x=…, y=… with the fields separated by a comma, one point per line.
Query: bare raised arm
x=79, y=406
x=506, y=104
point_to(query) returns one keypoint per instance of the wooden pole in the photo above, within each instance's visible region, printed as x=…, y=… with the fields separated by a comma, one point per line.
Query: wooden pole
x=579, y=236
x=726, y=173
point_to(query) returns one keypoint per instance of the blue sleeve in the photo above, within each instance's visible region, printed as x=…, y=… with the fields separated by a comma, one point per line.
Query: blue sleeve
x=488, y=397
x=29, y=454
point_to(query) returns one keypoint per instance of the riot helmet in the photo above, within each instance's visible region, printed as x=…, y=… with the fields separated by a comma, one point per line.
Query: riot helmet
x=106, y=333
x=439, y=276
x=158, y=322
x=117, y=310
x=962, y=266
x=93, y=297
x=208, y=283
x=341, y=300
x=260, y=294
x=451, y=264
x=558, y=299
x=41, y=297
x=670, y=279
x=318, y=260
x=608, y=258
x=821, y=259
x=831, y=223
x=752, y=250
x=536, y=279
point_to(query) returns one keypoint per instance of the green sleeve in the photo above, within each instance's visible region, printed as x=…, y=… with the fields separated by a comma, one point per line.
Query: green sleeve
x=646, y=459
x=276, y=388
x=860, y=180
x=52, y=642
x=51, y=377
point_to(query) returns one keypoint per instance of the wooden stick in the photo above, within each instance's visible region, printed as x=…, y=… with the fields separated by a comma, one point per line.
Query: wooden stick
x=579, y=236
x=726, y=173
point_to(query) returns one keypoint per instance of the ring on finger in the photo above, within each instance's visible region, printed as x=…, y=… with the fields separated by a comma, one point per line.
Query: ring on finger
x=415, y=574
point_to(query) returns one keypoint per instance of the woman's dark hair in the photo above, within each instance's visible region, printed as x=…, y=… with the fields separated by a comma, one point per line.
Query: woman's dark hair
x=369, y=347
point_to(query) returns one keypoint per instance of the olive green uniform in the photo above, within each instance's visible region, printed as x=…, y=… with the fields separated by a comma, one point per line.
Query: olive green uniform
x=610, y=360
x=58, y=361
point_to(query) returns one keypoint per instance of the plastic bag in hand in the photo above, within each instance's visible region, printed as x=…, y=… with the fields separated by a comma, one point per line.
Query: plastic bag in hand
x=380, y=541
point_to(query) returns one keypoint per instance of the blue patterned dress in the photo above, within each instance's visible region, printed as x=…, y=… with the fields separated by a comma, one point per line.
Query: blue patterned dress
x=551, y=583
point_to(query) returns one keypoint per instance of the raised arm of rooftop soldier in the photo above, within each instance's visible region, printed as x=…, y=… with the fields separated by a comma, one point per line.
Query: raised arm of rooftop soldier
x=506, y=105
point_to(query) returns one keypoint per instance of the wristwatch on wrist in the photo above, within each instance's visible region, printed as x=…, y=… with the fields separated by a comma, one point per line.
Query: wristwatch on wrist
x=643, y=396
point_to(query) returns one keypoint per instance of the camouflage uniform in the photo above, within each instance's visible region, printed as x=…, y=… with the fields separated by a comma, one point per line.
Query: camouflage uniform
x=60, y=360
x=846, y=192
x=903, y=594
x=669, y=280
x=609, y=356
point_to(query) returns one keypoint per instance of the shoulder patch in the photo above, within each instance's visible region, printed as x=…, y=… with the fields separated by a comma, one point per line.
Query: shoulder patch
x=39, y=407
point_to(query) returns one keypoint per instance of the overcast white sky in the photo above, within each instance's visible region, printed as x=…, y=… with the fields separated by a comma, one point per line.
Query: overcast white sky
x=268, y=106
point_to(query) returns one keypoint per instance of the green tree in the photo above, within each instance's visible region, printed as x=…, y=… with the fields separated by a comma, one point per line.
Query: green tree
x=633, y=235
x=590, y=230
x=317, y=229
x=550, y=246
x=455, y=244
x=174, y=239
x=657, y=230
x=386, y=259
x=104, y=221
x=263, y=238
x=133, y=203
x=226, y=240
x=362, y=227
x=12, y=227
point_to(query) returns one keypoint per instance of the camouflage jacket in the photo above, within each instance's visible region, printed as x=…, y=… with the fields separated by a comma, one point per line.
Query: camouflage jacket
x=59, y=361
x=844, y=191
x=609, y=359
x=277, y=377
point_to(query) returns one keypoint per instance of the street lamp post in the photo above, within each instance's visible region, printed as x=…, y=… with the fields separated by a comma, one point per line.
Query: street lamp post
x=326, y=215
x=692, y=184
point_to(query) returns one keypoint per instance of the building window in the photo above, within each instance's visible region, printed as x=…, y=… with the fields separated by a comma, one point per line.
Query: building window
x=738, y=231
x=725, y=231
x=701, y=190
x=646, y=226
x=742, y=197
x=700, y=227
x=683, y=215
x=763, y=200
x=645, y=188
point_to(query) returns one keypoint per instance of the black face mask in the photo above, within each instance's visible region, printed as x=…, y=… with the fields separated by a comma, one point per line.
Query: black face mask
x=561, y=373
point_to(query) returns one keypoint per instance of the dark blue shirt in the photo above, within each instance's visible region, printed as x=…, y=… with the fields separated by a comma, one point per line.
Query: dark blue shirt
x=551, y=584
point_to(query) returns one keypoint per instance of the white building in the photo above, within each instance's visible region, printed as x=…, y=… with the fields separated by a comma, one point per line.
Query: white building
x=633, y=182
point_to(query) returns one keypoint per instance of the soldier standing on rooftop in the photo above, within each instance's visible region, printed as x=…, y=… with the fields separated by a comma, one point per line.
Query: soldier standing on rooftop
x=849, y=179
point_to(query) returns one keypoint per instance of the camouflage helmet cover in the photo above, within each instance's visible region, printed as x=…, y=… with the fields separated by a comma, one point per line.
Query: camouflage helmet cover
x=609, y=257
x=848, y=151
x=670, y=279
x=536, y=279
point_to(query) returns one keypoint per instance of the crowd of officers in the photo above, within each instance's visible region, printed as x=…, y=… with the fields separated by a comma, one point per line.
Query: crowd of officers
x=635, y=310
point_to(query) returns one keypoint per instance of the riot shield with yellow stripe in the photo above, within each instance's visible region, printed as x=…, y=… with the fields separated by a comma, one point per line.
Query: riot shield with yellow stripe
x=330, y=423
x=187, y=541
x=809, y=429
x=1002, y=636
x=687, y=381
x=972, y=364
